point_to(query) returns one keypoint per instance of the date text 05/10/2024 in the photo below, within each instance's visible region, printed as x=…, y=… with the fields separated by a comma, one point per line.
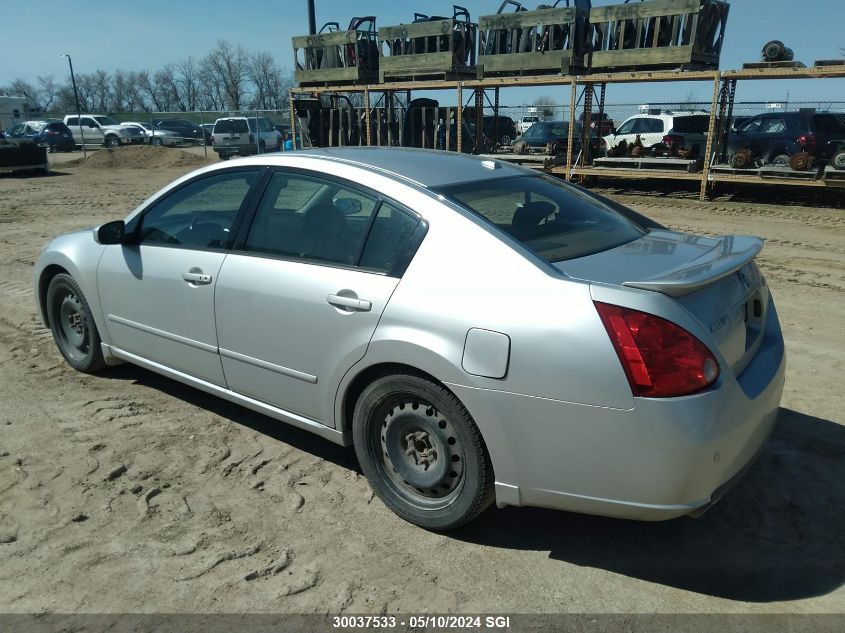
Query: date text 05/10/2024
x=421, y=621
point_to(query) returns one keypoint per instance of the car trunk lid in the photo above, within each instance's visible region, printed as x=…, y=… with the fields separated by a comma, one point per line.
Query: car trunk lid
x=715, y=279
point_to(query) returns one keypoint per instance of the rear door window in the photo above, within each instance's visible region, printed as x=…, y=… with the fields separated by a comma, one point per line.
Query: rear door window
x=649, y=126
x=697, y=124
x=230, y=126
x=554, y=220
x=309, y=218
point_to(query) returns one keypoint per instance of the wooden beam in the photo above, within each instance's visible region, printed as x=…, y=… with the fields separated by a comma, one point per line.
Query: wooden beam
x=711, y=132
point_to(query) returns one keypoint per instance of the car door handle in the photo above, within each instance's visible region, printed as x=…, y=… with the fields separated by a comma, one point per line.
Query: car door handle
x=349, y=303
x=197, y=278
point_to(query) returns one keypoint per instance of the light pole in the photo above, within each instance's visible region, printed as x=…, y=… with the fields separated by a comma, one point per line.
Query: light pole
x=76, y=98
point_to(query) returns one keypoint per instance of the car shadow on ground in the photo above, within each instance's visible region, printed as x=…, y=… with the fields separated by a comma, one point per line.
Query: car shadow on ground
x=778, y=535
x=290, y=435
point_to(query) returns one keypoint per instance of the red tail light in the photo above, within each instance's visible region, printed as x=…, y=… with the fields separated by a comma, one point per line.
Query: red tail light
x=51, y=132
x=669, y=139
x=661, y=359
x=808, y=142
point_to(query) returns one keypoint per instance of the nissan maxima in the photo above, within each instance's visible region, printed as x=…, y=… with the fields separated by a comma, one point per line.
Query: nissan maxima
x=477, y=331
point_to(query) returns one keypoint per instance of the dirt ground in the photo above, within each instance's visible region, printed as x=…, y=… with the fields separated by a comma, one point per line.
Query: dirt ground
x=127, y=492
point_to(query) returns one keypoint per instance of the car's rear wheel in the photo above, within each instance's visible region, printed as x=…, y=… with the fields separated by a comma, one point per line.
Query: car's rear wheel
x=781, y=160
x=156, y=141
x=421, y=452
x=72, y=325
x=838, y=160
x=505, y=140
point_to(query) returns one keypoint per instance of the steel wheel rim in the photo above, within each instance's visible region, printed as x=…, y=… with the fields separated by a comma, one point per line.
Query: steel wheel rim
x=419, y=452
x=839, y=161
x=72, y=329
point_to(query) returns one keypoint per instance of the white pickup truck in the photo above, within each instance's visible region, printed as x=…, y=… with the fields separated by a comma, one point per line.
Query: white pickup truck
x=102, y=130
x=526, y=122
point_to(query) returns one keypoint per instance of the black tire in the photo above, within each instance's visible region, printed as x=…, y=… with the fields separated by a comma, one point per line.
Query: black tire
x=72, y=325
x=156, y=141
x=421, y=452
x=838, y=160
x=111, y=142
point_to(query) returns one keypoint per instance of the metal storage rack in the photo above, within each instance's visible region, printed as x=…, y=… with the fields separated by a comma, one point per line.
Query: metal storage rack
x=724, y=84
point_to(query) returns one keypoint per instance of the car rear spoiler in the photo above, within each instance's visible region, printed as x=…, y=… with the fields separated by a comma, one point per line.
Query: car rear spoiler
x=729, y=254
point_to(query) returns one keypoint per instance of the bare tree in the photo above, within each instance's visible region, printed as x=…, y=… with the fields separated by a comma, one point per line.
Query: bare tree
x=228, y=64
x=47, y=91
x=545, y=105
x=187, y=82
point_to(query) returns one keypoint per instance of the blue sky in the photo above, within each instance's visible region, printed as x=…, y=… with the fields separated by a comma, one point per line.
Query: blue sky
x=146, y=34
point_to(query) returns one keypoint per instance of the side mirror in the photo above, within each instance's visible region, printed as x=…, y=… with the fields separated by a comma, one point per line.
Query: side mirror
x=613, y=130
x=110, y=233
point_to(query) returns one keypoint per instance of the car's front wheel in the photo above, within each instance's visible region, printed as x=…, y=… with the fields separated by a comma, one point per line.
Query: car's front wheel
x=421, y=452
x=156, y=141
x=73, y=325
x=112, y=141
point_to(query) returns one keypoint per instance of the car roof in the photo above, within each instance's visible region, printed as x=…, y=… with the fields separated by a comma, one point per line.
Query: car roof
x=427, y=167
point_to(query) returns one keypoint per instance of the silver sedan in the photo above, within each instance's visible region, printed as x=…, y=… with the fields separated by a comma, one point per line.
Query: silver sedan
x=476, y=330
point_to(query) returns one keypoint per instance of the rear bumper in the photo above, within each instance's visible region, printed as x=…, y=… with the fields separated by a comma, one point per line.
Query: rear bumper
x=236, y=150
x=662, y=459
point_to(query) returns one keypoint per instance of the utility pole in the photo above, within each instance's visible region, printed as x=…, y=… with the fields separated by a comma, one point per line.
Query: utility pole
x=312, y=19
x=78, y=112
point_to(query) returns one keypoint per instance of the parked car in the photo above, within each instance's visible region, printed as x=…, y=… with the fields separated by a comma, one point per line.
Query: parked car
x=773, y=137
x=506, y=132
x=154, y=136
x=99, y=129
x=589, y=360
x=54, y=136
x=188, y=131
x=686, y=128
x=244, y=136
x=600, y=125
x=542, y=134
x=526, y=122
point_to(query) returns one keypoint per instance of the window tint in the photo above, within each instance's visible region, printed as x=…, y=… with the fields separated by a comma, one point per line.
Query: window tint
x=389, y=242
x=830, y=123
x=230, y=126
x=773, y=126
x=752, y=126
x=312, y=219
x=697, y=124
x=649, y=126
x=200, y=214
x=550, y=218
x=73, y=120
x=88, y=122
x=627, y=127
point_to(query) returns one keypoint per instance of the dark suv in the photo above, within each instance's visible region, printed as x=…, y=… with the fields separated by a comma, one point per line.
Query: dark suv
x=775, y=137
x=506, y=132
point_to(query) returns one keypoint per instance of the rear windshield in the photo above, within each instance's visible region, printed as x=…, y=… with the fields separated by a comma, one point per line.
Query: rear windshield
x=554, y=220
x=697, y=124
x=833, y=123
x=231, y=126
x=58, y=127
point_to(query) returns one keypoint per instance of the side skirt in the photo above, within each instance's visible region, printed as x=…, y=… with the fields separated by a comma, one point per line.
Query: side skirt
x=300, y=422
